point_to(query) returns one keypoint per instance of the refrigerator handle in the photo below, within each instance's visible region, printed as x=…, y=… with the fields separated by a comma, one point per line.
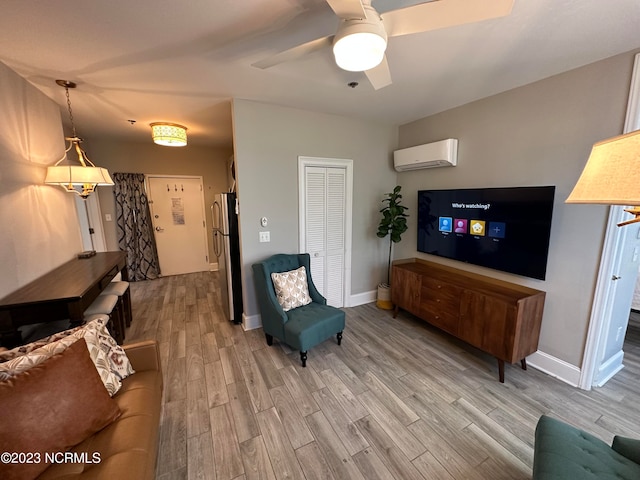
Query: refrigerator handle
x=217, y=247
x=216, y=228
x=216, y=220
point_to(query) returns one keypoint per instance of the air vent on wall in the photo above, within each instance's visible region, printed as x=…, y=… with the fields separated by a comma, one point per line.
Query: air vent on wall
x=431, y=155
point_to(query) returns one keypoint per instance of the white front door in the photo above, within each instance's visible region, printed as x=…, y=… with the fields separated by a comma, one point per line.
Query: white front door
x=177, y=212
x=325, y=225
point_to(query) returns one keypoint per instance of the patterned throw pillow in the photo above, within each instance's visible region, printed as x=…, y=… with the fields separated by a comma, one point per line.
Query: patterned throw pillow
x=35, y=357
x=291, y=288
x=30, y=347
x=90, y=333
x=51, y=408
x=119, y=363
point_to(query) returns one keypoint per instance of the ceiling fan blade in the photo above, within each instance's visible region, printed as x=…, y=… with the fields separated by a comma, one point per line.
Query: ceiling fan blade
x=347, y=8
x=295, y=52
x=379, y=76
x=442, y=13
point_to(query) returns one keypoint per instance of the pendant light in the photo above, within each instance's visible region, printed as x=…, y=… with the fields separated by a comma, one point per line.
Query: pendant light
x=82, y=177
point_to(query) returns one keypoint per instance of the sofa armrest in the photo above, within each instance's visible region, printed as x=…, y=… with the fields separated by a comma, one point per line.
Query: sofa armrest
x=627, y=447
x=144, y=355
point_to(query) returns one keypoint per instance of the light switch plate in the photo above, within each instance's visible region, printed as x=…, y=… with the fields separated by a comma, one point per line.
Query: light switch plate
x=265, y=237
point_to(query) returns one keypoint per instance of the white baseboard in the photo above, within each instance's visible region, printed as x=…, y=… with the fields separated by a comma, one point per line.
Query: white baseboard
x=608, y=369
x=251, y=322
x=363, y=298
x=555, y=367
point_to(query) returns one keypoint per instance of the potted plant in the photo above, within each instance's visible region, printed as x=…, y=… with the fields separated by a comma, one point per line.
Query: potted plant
x=393, y=224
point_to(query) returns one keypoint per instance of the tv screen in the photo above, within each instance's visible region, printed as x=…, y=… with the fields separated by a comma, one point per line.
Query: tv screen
x=505, y=229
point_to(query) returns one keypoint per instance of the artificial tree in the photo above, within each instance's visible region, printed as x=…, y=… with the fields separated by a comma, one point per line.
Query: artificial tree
x=393, y=224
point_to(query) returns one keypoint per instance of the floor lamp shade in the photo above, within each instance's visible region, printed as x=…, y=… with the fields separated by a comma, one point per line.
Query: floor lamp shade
x=612, y=173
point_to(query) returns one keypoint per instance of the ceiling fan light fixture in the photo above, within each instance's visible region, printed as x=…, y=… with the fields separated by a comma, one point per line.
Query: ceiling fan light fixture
x=360, y=44
x=168, y=134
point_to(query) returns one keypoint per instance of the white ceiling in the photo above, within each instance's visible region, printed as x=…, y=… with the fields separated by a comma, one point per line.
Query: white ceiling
x=164, y=60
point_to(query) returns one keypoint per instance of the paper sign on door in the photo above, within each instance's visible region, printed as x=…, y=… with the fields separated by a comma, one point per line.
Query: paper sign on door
x=177, y=211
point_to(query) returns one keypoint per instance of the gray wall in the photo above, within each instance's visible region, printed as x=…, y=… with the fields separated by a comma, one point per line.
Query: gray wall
x=267, y=141
x=135, y=157
x=539, y=134
x=39, y=226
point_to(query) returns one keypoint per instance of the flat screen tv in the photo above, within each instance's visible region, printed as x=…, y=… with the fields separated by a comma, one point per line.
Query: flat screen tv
x=505, y=229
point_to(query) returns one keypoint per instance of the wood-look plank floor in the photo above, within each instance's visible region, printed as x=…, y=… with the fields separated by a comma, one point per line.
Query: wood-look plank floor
x=398, y=399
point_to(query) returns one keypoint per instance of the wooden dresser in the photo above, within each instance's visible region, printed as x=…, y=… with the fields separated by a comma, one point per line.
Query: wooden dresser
x=498, y=317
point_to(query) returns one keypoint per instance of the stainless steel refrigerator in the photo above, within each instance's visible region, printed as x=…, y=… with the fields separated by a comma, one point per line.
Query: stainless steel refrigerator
x=226, y=246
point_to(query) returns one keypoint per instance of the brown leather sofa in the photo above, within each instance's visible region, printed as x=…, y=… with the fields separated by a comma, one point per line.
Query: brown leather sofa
x=128, y=447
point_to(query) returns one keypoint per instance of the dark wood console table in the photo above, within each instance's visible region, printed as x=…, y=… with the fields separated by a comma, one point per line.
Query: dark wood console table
x=64, y=292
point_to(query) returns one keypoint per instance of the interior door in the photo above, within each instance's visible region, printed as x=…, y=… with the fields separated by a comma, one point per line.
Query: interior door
x=603, y=354
x=325, y=225
x=90, y=221
x=177, y=211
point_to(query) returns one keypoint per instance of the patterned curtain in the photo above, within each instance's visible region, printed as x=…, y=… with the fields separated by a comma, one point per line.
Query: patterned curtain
x=134, y=230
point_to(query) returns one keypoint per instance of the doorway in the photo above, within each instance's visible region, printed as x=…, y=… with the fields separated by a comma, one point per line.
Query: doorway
x=90, y=221
x=616, y=281
x=177, y=213
x=325, y=204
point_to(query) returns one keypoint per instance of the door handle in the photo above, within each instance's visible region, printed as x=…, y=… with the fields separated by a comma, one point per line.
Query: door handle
x=159, y=229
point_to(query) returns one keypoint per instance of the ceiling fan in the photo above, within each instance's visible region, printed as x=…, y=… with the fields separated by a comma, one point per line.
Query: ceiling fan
x=360, y=42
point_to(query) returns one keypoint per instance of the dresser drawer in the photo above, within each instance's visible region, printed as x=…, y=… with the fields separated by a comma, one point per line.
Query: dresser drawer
x=440, y=304
x=440, y=295
x=108, y=277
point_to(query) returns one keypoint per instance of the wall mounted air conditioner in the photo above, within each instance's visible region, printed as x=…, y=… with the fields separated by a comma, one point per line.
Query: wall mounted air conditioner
x=437, y=154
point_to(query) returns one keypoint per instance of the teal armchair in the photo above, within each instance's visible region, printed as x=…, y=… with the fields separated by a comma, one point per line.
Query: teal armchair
x=564, y=452
x=303, y=327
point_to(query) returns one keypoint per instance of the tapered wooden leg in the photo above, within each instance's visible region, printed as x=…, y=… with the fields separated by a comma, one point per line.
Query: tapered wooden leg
x=523, y=363
x=501, y=370
x=303, y=358
x=269, y=339
x=395, y=311
x=339, y=337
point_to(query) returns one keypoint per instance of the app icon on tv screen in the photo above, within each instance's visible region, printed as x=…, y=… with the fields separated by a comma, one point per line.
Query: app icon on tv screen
x=497, y=229
x=445, y=224
x=460, y=225
x=477, y=227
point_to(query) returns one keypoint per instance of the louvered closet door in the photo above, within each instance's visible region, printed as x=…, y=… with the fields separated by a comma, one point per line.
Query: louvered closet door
x=325, y=214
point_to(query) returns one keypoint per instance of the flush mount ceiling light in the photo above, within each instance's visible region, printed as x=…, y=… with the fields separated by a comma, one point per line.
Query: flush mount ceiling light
x=360, y=43
x=84, y=177
x=169, y=134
